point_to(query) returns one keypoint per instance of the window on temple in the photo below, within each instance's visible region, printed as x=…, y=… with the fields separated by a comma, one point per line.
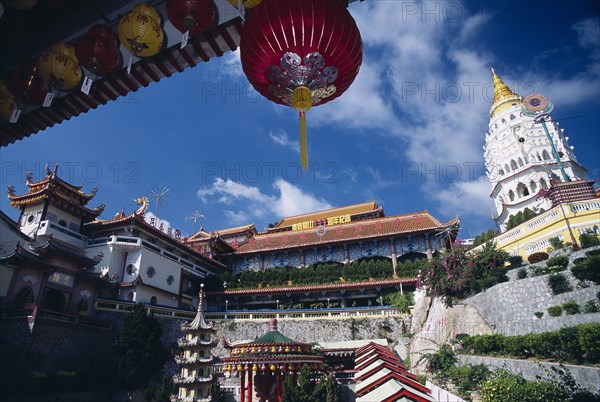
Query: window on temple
x=131, y=269
x=506, y=168
x=543, y=184
x=153, y=300
x=513, y=164
x=511, y=195
x=520, y=162
x=533, y=186
x=151, y=272
x=62, y=223
x=512, y=117
x=170, y=280
x=501, y=172
x=522, y=190
x=538, y=156
x=130, y=296
x=545, y=155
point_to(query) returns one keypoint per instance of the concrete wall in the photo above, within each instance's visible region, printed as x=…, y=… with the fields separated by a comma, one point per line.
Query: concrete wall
x=586, y=376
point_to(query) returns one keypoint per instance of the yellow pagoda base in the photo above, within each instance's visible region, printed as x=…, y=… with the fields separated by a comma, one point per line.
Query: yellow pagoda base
x=566, y=221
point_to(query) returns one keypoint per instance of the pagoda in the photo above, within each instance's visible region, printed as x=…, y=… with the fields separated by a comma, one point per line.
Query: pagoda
x=263, y=363
x=195, y=378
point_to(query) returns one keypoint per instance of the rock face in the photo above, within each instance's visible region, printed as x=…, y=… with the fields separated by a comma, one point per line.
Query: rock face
x=435, y=324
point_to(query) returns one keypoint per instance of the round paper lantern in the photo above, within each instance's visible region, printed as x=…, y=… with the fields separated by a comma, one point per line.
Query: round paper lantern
x=98, y=50
x=27, y=85
x=246, y=3
x=59, y=67
x=140, y=31
x=7, y=103
x=301, y=53
x=195, y=16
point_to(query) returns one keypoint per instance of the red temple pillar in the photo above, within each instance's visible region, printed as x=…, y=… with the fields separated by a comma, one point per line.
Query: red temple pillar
x=242, y=386
x=280, y=386
x=250, y=385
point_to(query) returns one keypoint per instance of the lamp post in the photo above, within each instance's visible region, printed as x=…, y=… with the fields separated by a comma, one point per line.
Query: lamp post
x=277, y=304
x=226, y=303
x=328, y=302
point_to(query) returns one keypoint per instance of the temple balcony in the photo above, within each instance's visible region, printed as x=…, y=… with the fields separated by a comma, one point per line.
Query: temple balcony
x=190, y=399
x=178, y=379
x=193, y=359
x=49, y=228
x=195, y=342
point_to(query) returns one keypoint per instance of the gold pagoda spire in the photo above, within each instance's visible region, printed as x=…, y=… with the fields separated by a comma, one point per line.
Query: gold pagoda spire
x=503, y=96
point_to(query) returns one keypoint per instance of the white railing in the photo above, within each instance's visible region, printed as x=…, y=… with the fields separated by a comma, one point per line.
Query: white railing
x=539, y=222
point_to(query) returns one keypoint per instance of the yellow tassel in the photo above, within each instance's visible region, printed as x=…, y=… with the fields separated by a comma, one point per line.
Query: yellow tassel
x=303, y=142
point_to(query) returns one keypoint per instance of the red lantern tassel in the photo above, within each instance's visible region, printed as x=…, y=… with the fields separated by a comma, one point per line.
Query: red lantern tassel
x=303, y=142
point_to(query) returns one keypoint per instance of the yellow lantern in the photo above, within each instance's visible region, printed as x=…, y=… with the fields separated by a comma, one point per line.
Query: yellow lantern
x=246, y=3
x=60, y=68
x=140, y=31
x=273, y=367
x=21, y=4
x=7, y=105
x=254, y=367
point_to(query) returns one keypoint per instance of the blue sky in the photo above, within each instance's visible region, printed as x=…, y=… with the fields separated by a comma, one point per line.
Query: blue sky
x=408, y=133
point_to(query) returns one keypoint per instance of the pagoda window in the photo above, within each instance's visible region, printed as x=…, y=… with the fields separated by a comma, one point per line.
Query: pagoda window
x=533, y=186
x=153, y=300
x=501, y=172
x=546, y=155
x=62, y=223
x=522, y=190
x=131, y=269
x=151, y=272
x=511, y=195
x=520, y=162
x=539, y=157
x=200, y=372
x=513, y=164
x=200, y=393
x=543, y=184
x=512, y=117
x=503, y=121
x=506, y=168
x=130, y=296
x=170, y=280
x=201, y=353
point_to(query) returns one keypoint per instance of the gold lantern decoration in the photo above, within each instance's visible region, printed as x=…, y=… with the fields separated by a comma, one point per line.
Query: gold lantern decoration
x=140, y=31
x=60, y=68
x=247, y=3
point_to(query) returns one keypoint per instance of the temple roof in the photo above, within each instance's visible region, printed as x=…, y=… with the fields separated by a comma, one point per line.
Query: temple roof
x=273, y=336
x=60, y=247
x=58, y=191
x=198, y=321
x=366, y=229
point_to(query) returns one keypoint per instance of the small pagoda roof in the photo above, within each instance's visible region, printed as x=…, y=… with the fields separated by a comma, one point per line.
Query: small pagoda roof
x=406, y=224
x=198, y=323
x=20, y=255
x=237, y=230
x=273, y=337
x=61, y=193
x=370, y=207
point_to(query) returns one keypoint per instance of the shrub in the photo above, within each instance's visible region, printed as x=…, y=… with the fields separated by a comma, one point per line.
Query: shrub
x=555, y=311
x=591, y=306
x=511, y=387
x=589, y=240
x=539, y=314
x=560, y=261
x=589, y=341
x=515, y=261
x=559, y=284
x=441, y=361
x=522, y=273
x=537, y=257
x=587, y=268
x=571, y=307
x=468, y=378
x=556, y=243
x=422, y=379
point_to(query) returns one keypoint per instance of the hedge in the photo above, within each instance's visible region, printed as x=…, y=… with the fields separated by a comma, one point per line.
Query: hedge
x=579, y=344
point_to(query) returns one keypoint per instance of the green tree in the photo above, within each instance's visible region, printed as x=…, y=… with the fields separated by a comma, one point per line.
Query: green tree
x=291, y=392
x=140, y=351
x=484, y=237
x=216, y=392
x=161, y=392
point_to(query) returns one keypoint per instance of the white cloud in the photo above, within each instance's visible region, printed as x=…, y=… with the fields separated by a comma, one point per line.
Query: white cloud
x=254, y=204
x=466, y=198
x=283, y=139
x=231, y=65
x=149, y=216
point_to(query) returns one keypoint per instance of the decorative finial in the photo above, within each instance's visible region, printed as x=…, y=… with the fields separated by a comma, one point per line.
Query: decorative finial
x=28, y=177
x=201, y=298
x=55, y=169
x=493, y=71
x=273, y=324
x=10, y=190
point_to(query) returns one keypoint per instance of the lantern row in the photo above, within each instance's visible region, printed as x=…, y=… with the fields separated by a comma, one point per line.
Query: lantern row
x=61, y=68
x=269, y=367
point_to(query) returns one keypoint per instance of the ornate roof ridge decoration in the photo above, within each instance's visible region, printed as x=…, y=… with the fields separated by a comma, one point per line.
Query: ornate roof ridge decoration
x=359, y=208
x=311, y=288
x=198, y=322
x=20, y=253
x=503, y=96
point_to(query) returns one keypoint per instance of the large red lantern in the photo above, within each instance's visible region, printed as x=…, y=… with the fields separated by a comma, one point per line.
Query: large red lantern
x=27, y=85
x=195, y=16
x=301, y=53
x=98, y=50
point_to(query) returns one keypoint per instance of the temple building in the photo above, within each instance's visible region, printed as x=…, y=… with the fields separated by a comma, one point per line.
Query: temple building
x=337, y=236
x=532, y=168
x=196, y=376
x=263, y=363
x=43, y=261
